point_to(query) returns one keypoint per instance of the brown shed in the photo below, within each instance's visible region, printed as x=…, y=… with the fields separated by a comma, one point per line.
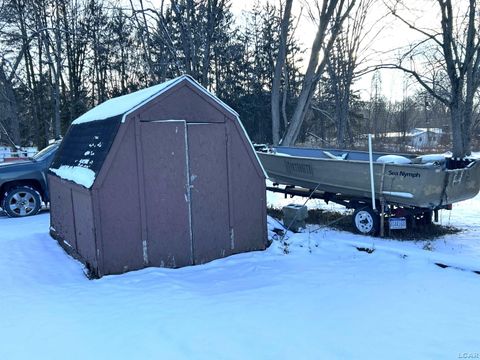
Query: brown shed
x=165, y=176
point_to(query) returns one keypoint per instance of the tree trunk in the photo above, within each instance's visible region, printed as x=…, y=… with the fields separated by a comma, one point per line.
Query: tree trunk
x=284, y=98
x=58, y=54
x=309, y=83
x=282, y=50
x=185, y=33
x=342, y=119
x=457, y=131
x=467, y=126
x=30, y=75
x=331, y=17
x=214, y=11
x=10, y=110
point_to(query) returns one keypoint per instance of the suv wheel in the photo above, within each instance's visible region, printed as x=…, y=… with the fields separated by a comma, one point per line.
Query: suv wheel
x=21, y=201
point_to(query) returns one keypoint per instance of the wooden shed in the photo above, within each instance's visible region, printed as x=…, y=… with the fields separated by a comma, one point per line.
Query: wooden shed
x=165, y=176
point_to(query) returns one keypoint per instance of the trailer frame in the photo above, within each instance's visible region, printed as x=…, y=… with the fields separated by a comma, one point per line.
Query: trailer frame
x=384, y=210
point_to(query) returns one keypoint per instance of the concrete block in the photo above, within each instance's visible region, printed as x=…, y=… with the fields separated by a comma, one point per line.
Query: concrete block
x=294, y=216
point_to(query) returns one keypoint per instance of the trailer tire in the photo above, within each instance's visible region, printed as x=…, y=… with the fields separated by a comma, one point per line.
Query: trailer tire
x=366, y=221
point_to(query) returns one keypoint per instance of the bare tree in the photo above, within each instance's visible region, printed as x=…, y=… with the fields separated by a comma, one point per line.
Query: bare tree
x=332, y=14
x=215, y=10
x=345, y=58
x=451, y=62
x=9, y=114
x=279, y=67
x=61, y=57
x=48, y=45
x=375, y=103
x=22, y=19
x=145, y=37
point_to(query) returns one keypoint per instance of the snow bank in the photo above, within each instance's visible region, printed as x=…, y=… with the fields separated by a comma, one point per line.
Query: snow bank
x=77, y=174
x=311, y=295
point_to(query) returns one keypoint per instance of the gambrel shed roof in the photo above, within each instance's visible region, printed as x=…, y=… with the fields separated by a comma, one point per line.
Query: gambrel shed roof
x=90, y=137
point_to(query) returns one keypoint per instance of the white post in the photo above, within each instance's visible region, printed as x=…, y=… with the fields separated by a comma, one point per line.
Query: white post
x=372, y=183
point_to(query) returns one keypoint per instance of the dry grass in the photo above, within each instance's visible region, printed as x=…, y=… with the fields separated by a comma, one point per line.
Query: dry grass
x=344, y=222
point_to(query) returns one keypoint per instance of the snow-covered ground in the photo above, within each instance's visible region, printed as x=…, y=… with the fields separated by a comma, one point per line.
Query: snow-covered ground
x=322, y=300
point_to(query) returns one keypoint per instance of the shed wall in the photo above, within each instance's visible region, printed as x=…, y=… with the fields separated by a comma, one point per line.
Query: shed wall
x=183, y=102
x=71, y=219
x=248, y=194
x=119, y=206
x=84, y=226
x=61, y=212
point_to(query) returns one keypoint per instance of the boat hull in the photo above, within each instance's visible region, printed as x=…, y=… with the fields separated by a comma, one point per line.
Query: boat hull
x=415, y=185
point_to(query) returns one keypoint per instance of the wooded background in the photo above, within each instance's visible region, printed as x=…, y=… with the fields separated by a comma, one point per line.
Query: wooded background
x=60, y=58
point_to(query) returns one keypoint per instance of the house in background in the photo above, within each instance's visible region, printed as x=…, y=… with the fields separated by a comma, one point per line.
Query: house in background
x=418, y=138
x=9, y=154
x=421, y=138
x=5, y=152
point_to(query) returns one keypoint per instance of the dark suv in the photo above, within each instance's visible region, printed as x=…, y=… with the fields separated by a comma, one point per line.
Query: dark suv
x=23, y=183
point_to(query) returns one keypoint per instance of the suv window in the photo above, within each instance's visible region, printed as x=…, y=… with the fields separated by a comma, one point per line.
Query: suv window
x=42, y=154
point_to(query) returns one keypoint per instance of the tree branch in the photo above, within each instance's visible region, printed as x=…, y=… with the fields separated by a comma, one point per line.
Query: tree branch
x=433, y=37
x=421, y=81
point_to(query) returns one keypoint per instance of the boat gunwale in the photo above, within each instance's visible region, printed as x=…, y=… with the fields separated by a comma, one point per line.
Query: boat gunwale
x=420, y=166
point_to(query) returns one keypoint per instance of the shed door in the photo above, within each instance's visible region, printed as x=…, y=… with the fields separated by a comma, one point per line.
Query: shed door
x=207, y=157
x=163, y=147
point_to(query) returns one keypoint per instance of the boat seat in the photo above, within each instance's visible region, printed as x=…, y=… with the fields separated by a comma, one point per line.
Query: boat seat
x=393, y=159
x=336, y=157
x=430, y=159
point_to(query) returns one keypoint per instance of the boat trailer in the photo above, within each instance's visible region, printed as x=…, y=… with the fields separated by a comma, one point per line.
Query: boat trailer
x=366, y=220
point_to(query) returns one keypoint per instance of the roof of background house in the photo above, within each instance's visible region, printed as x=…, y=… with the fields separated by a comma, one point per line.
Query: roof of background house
x=411, y=133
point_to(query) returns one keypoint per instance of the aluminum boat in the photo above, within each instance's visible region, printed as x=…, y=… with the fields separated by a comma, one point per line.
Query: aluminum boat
x=428, y=181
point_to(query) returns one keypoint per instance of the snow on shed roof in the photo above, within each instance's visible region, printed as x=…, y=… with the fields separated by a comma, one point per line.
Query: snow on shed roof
x=88, y=140
x=125, y=104
x=85, y=147
x=122, y=104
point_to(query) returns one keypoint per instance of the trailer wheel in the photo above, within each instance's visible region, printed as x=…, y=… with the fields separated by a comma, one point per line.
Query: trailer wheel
x=366, y=221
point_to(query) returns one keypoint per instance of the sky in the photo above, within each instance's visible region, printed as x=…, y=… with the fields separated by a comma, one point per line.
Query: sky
x=392, y=35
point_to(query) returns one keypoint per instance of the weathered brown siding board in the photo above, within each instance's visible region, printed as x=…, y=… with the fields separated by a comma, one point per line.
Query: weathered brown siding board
x=180, y=185
x=165, y=178
x=236, y=131
x=248, y=197
x=231, y=202
x=61, y=210
x=123, y=130
x=84, y=225
x=98, y=240
x=182, y=103
x=120, y=210
x=209, y=191
x=142, y=196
